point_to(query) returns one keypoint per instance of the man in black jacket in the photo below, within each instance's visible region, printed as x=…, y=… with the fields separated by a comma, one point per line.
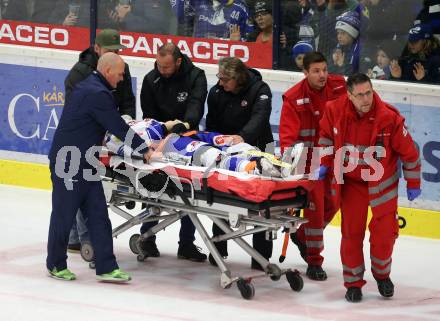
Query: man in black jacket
x=174, y=89
x=240, y=104
x=87, y=115
x=108, y=40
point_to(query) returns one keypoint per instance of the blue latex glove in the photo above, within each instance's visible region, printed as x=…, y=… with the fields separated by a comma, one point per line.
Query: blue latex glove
x=322, y=172
x=413, y=193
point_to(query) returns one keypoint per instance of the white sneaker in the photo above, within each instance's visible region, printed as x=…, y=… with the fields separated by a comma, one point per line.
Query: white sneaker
x=292, y=156
x=267, y=168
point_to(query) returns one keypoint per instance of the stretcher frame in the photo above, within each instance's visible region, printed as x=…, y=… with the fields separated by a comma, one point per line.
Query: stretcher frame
x=244, y=218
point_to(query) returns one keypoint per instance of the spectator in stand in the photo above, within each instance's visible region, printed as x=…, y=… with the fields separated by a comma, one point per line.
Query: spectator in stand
x=264, y=23
x=327, y=12
x=29, y=10
x=345, y=57
x=384, y=54
x=430, y=14
x=263, y=31
x=71, y=13
x=421, y=59
x=298, y=23
x=221, y=19
x=299, y=50
x=112, y=13
x=151, y=16
x=184, y=12
x=389, y=20
x=3, y=5
x=308, y=26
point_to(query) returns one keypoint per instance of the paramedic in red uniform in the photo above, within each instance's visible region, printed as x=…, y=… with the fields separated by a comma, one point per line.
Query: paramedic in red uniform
x=303, y=106
x=373, y=136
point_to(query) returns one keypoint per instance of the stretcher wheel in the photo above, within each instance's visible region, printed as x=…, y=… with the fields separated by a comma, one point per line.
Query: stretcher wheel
x=295, y=280
x=133, y=243
x=274, y=271
x=87, y=252
x=246, y=289
x=130, y=205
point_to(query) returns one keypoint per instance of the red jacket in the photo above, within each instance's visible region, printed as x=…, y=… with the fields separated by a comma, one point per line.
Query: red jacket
x=389, y=131
x=303, y=108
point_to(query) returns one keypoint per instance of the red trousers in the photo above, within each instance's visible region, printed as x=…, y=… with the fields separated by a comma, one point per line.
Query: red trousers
x=383, y=229
x=321, y=211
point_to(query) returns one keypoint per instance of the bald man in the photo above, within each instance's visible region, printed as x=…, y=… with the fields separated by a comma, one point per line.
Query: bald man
x=89, y=112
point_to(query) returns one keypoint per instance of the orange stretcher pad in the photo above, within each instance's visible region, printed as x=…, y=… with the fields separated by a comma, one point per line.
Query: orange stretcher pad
x=255, y=189
x=249, y=187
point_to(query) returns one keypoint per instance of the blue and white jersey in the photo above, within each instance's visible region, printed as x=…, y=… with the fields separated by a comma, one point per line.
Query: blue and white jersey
x=183, y=9
x=213, y=19
x=150, y=130
x=215, y=139
x=183, y=145
x=200, y=149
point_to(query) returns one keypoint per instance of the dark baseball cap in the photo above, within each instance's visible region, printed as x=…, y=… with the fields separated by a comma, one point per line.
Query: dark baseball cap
x=263, y=7
x=419, y=32
x=109, y=39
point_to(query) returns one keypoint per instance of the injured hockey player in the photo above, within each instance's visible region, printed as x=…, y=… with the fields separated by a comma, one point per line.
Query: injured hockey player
x=202, y=148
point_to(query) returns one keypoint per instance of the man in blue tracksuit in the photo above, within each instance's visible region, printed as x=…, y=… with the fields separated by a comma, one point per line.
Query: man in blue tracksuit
x=87, y=115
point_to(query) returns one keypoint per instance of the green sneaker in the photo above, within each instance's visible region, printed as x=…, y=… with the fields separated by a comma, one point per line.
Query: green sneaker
x=65, y=274
x=115, y=276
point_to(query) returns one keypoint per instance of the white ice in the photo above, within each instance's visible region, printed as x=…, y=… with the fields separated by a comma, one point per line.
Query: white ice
x=166, y=288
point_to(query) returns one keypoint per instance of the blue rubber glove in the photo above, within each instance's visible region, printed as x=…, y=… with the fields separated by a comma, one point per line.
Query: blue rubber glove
x=413, y=193
x=322, y=172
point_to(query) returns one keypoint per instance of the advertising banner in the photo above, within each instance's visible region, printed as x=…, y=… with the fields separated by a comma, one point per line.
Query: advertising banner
x=31, y=102
x=138, y=44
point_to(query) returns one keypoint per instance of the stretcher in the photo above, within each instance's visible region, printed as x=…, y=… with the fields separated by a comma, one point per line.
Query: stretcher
x=239, y=203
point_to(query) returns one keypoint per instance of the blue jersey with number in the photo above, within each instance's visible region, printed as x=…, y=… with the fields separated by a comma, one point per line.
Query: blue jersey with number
x=214, y=20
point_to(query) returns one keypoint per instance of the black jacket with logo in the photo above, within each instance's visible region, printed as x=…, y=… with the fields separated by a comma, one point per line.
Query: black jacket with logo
x=182, y=96
x=88, y=61
x=246, y=113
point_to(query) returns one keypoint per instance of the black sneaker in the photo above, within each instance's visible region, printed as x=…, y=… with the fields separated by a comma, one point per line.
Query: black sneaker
x=353, y=294
x=149, y=248
x=191, y=252
x=212, y=260
x=315, y=272
x=301, y=246
x=386, y=287
x=74, y=248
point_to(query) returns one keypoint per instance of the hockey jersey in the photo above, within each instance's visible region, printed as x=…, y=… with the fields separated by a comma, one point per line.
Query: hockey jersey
x=212, y=19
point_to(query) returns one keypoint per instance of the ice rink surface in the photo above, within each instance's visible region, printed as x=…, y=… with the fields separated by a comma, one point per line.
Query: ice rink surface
x=166, y=288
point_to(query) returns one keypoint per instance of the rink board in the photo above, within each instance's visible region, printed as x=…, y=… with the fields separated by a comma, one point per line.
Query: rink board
x=419, y=222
